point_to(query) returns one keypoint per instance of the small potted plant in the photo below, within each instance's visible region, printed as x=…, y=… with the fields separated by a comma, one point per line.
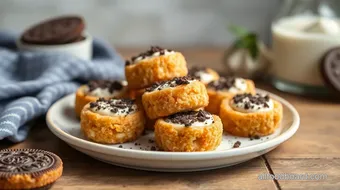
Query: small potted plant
x=247, y=57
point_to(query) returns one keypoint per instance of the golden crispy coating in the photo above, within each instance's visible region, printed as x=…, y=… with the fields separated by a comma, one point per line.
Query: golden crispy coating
x=162, y=68
x=136, y=93
x=169, y=137
x=176, y=99
x=216, y=97
x=82, y=99
x=150, y=124
x=27, y=181
x=250, y=124
x=111, y=129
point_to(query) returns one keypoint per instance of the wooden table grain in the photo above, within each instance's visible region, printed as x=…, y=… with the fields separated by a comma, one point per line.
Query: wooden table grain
x=314, y=149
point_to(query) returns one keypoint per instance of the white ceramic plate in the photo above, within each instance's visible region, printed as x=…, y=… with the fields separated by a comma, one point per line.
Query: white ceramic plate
x=63, y=123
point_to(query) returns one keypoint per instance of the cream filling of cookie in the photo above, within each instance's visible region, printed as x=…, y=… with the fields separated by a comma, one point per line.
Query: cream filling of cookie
x=100, y=92
x=156, y=54
x=240, y=85
x=169, y=85
x=205, y=77
x=252, y=107
x=105, y=92
x=104, y=108
x=197, y=123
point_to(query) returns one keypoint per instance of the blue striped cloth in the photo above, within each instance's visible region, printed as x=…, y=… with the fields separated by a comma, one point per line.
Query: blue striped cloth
x=31, y=82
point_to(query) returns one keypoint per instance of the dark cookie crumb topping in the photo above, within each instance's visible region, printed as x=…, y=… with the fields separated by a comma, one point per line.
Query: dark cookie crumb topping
x=222, y=83
x=125, y=106
x=150, y=52
x=256, y=137
x=189, y=117
x=194, y=72
x=257, y=100
x=237, y=144
x=103, y=84
x=172, y=83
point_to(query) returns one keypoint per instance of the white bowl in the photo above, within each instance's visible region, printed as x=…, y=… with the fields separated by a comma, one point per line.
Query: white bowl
x=62, y=121
x=81, y=49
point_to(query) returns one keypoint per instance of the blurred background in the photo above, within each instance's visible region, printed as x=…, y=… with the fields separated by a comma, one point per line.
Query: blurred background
x=133, y=23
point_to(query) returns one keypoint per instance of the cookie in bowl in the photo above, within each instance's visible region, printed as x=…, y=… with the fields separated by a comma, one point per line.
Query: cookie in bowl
x=249, y=115
x=99, y=89
x=204, y=74
x=112, y=121
x=155, y=65
x=189, y=132
x=226, y=87
x=60, y=30
x=176, y=95
x=65, y=34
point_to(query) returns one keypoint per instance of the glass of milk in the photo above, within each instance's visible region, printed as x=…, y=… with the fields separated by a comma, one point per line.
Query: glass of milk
x=302, y=33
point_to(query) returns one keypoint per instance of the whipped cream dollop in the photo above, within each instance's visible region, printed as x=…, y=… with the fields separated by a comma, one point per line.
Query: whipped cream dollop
x=323, y=26
x=248, y=103
x=199, y=118
x=202, y=74
x=154, y=51
x=105, y=88
x=177, y=81
x=113, y=107
x=229, y=84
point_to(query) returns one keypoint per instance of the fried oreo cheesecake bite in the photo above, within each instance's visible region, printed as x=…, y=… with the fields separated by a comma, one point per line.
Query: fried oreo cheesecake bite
x=248, y=115
x=204, y=74
x=226, y=87
x=29, y=169
x=154, y=65
x=189, y=132
x=176, y=95
x=112, y=121
x=97, y=89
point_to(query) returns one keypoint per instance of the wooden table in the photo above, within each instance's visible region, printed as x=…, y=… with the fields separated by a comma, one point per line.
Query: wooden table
x=315, y=149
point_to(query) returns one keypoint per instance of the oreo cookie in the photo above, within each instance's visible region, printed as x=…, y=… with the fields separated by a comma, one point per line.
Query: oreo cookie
x=59, y=30
x=35, y=168
x=330, y=69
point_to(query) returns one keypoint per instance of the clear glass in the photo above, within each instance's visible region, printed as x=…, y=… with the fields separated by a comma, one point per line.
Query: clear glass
x=296, y=53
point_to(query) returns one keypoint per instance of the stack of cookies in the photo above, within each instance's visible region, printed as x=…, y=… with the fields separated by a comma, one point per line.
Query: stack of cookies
x=179, y=105
x=173, y=102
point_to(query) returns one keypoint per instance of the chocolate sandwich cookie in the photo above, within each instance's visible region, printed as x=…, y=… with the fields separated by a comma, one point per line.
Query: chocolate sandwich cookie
x=28, y=169
x=330, y=69
x=59, y=30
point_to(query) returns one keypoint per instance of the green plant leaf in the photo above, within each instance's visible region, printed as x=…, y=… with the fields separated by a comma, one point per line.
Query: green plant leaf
x=245, y=40
x=238, y=31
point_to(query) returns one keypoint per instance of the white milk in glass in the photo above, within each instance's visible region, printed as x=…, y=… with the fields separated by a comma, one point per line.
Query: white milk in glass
x=299, y=43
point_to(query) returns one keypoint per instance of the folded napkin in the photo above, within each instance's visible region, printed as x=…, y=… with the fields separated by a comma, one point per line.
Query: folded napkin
x=30, y=82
